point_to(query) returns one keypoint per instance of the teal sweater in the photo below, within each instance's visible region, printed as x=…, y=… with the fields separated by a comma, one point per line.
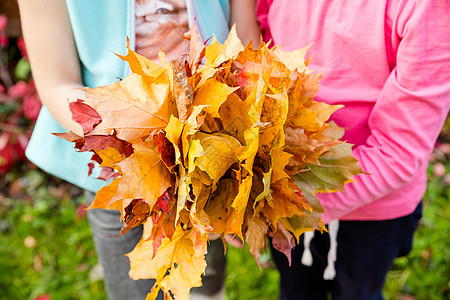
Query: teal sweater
x=100, y=29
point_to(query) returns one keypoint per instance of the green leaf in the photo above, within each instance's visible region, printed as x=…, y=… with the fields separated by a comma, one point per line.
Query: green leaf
x=23, y=69
x=337, y=167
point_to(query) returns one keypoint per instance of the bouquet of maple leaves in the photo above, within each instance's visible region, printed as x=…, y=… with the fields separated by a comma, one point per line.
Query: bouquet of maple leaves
x=226, y=140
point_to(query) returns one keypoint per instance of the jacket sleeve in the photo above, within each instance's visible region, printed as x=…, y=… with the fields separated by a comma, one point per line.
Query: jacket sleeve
x=409, y=112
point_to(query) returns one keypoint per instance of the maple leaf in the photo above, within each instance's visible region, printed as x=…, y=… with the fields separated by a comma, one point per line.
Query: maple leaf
x=104, y=196
x=155, y=76
x=283, y=241
x=305, y=148
x=196, y=48
x=337, y=167
x=219, y=208
x=102, y=142
x=107, y=173
x=218, y=153
x=163, y=202
x=217, y=53
x=136, y=213
x=173, y=133
x=294, y=60
x=165, y=148
x=255, y=236
x=145, y=110
x=144, y=176
x=176, y=265
x=85, y=115
x=213, y=94
x=183, y=92
x=108, y=157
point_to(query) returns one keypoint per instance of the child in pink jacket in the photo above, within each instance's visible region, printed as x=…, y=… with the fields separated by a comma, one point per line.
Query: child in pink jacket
x=388, y=62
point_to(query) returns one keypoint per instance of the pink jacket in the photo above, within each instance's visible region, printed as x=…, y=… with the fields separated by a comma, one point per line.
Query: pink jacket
x=388, y=62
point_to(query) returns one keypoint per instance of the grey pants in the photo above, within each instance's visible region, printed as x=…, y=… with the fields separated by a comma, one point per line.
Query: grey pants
x=105, y=226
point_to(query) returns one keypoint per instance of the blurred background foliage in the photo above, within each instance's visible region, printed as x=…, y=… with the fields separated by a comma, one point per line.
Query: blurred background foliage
x=46, y=247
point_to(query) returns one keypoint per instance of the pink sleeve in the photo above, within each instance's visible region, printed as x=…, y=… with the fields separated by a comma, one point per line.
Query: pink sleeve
x=262, y=12
x=409, y=112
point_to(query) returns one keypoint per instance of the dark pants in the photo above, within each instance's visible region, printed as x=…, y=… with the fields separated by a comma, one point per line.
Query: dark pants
x=365, y=252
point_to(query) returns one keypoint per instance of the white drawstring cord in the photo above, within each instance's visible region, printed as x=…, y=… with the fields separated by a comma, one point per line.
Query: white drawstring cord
x=307, y=259
x=330, y=270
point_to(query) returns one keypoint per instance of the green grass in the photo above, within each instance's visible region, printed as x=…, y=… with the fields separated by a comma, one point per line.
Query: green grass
x=425, y=273
x=46, y=248
x=245, y=280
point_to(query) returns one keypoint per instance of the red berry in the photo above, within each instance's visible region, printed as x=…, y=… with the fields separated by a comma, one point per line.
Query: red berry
x=7, y=155
x=31, y=106
x=19, y=90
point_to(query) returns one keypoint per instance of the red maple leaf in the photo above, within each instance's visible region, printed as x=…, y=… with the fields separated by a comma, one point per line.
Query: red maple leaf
x=163, y=202
x=85, y=115
x=101, y=142
x=165, y=147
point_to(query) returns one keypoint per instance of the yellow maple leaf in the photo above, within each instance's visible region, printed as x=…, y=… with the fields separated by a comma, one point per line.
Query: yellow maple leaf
x=144, y=176
x=213, y=94
x=219, y=153
x=129, y=97
x=176, y=265
x=255, y=236
x=103, y=198
x=217, y=53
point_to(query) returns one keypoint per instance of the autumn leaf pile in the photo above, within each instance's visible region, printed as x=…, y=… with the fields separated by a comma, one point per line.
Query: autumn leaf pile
x=225, y=140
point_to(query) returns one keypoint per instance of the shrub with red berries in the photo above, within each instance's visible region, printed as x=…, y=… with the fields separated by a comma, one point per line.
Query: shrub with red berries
x=19, y=103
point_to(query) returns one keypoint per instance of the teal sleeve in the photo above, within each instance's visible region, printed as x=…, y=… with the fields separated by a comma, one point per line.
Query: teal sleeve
x=212, y=17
